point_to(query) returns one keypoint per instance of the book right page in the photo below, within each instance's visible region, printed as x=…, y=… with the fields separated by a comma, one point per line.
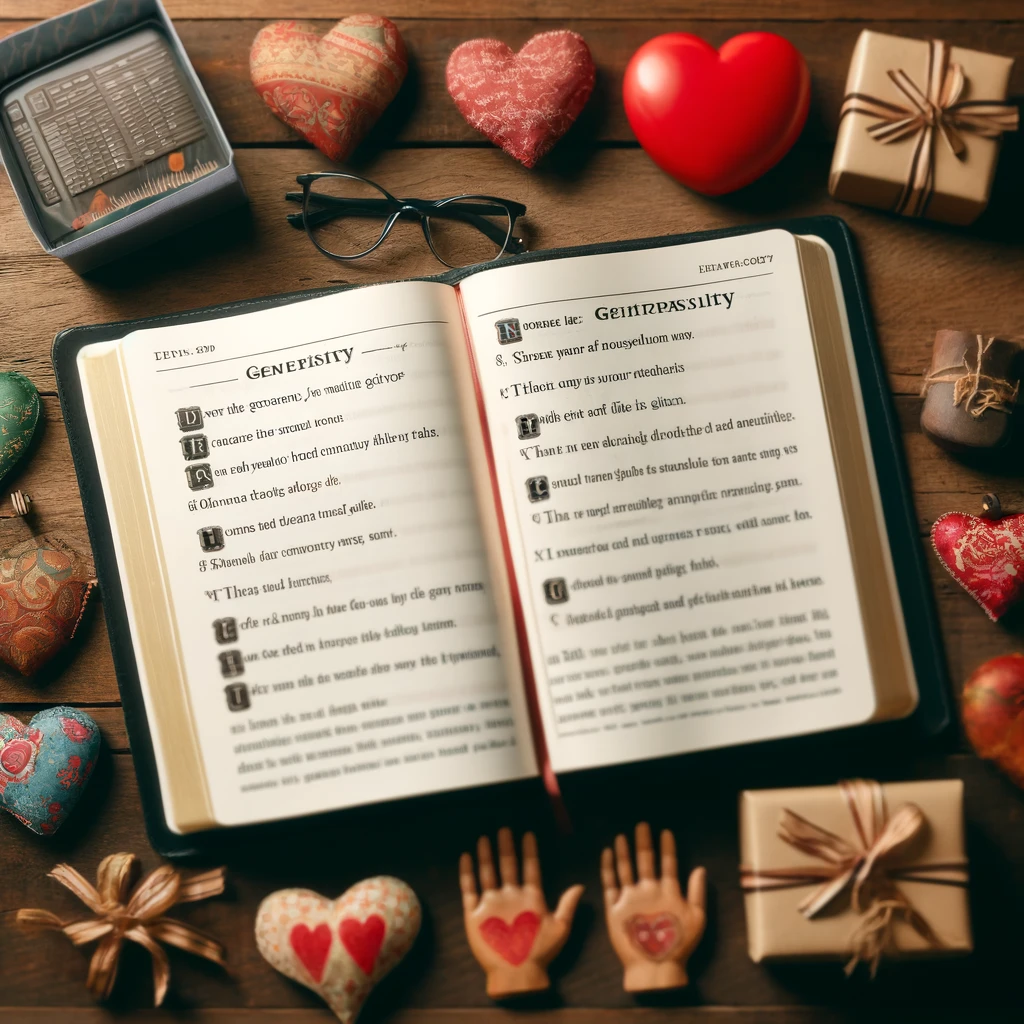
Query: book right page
x=674, y=523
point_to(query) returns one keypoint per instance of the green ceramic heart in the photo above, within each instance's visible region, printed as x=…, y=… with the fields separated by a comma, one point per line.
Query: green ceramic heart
x=19, y=417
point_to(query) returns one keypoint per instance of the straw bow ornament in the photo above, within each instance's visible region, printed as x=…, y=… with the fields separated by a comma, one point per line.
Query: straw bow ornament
x=133, y=912
x=865, y=869
x=936, y=108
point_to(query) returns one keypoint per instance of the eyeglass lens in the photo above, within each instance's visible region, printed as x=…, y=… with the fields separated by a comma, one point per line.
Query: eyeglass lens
x=348, y=228
x=469, y=230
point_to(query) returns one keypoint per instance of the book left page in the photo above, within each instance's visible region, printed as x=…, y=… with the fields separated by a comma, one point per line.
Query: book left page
x=299, y=477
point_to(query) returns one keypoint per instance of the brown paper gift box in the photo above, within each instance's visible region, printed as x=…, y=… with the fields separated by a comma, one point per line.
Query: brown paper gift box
x=777, y=930
x=869, y=172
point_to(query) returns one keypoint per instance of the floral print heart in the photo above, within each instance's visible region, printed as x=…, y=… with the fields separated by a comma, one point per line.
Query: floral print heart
x=523, y=102
x=986, y=557
x=45, y=765
x=45, y=585
x=339, y=948
x=329, y=88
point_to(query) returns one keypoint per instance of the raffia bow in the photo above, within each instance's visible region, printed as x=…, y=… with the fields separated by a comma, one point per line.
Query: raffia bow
x=865, y=869
x=978, y=391
x=937, y=109
x=126, y=911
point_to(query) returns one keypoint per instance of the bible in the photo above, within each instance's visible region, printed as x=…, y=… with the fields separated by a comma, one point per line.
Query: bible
x=558, y=512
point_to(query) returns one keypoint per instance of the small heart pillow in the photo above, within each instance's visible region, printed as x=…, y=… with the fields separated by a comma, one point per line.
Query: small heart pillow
x=716, y=120
x=45, y=765
x=523, y=102
x=986, y=557
x=19, y=417
x=331, y=88
x=339, y=948
x=44, y=588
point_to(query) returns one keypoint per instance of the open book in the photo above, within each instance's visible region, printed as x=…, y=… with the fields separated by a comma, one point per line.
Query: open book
x=549, y=514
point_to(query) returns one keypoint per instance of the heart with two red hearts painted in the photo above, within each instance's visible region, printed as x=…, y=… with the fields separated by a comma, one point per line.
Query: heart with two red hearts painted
x=655, y=934
x=331, y=88
x=985, y=556
x=716, y=120
x=339, y=948
x=523, y=102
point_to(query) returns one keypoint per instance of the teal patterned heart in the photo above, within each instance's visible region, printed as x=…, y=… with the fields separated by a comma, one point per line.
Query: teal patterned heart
x=19, y=417
x=45, y=765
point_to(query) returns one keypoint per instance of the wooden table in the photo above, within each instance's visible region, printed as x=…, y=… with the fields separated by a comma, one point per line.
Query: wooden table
x=597, y=186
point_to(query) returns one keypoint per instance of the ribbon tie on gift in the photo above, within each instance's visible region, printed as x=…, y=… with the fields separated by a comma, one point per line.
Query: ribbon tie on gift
x=979, y=391
x=935, y=109
x=134, y=912
x=864, y=867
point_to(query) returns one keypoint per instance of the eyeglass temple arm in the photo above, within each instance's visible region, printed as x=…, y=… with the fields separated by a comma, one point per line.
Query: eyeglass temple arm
x=470, y=213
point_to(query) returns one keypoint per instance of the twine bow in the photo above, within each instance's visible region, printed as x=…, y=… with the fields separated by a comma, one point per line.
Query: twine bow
x=125, y=910
x=937, y=109
x=865, y=869
x=978, y=391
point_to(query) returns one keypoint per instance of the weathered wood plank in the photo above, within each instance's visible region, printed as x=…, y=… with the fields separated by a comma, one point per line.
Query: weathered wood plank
x=921, y=276
x=420, y=842
x=797, y=10
x=500, y=1015
x=424, y=112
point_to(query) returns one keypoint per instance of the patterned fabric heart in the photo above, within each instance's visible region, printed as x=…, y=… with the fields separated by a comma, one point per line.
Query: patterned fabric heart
x=339, y=948
x=523, y=102
x=19, y=417
x=44, y=588
x=45, y=765
x=986, y=557
x=329, y=88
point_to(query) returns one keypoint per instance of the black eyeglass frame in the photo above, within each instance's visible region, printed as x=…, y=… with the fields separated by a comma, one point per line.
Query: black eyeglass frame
x=451, y=208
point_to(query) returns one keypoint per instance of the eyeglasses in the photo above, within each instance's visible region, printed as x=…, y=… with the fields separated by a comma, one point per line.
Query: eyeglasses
x=347, y=217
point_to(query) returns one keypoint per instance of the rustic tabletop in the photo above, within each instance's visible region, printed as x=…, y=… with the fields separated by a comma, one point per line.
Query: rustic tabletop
x=596, y=186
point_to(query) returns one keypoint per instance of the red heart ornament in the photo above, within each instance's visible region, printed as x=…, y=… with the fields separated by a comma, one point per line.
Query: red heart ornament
x=523, y=102
x=716, y=119
x=329, y=88
x=514, y=941
x=312, y=946
x=655, y=934
x=986, y=557
x=363, y=940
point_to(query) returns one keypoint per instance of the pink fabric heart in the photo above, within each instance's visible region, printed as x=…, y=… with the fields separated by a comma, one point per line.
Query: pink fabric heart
x=523, y=102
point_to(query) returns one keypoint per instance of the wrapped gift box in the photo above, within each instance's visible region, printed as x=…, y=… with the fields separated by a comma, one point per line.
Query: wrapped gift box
x=935, y=855
x=873, y=172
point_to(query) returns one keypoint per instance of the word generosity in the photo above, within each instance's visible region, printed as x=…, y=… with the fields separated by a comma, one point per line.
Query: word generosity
x=704, y=301
x=337, y=355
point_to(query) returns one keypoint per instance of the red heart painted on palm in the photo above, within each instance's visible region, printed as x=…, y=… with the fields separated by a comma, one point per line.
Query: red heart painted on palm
x=716, y=119
x=523, y=102
x=986, y=557
x=312, y=946
x=329, y=88
x=514, y=941
x=655, y=934
x=363, y=940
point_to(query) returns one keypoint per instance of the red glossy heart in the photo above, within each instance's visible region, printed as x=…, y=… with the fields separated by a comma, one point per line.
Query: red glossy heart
x=523, y=102
x=986, y=557
x=312, y=946
x=717, y=119
x=514, y=941
x=655, y=934
x=363, y=940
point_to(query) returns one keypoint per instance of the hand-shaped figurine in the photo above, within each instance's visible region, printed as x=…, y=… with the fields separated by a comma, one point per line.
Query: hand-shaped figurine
x=511, y=932
x=653, y=928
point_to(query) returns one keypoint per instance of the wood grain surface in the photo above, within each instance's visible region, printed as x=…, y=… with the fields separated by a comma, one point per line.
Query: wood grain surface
x=596, y=186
